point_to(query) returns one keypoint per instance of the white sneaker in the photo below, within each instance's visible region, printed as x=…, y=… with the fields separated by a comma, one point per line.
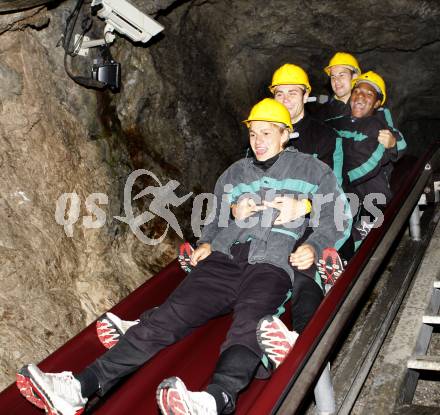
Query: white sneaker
x=110, y=328
x=60, y=393
x=174, y=399
x=275, y=339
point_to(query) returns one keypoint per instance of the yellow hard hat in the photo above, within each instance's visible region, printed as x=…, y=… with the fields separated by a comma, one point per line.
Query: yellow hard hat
x=343, y=59
x=290, y=74
x=375, y=80
x=269, y=110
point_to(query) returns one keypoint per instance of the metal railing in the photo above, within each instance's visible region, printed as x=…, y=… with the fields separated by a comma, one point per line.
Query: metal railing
x=345, y=295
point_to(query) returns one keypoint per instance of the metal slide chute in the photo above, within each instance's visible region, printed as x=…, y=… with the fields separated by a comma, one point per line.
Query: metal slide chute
x=194, y=358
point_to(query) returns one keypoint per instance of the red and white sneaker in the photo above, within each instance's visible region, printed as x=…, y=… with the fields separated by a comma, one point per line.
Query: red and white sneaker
x=184, y=257
x=56, y=393
x=330, y=266
x=110, y=328
x=174, y=399
x=24, y=385
x=275, y=339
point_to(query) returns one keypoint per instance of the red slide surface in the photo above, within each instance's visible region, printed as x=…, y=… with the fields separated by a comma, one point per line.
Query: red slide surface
x=193, y=359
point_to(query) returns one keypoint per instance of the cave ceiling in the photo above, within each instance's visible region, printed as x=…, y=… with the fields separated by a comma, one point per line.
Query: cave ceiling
x=217, y=58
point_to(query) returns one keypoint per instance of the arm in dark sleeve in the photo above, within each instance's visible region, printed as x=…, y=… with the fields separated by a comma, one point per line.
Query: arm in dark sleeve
x=369, y=156
x=325, y=139
x=211, y=229
x=338, y=157
x=329, y=148
x=322, y=112
x=399, y=149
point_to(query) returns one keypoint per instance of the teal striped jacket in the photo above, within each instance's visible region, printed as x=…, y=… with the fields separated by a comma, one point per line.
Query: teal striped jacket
x=366, y=162
x=294, y=174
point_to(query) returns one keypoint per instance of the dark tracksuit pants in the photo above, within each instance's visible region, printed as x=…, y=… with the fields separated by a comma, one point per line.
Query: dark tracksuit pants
x=306, y=297
x=218, y=285
x=306, y=293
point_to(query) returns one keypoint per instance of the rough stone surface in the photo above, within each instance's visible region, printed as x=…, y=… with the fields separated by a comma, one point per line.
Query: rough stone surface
x=33, y=18
x=178, y=115
x=51, y=285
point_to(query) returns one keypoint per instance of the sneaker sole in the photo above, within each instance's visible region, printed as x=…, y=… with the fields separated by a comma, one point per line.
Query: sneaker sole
x=107, y=331
x=24, y=386
x=33, y=389
x=169, y=399
x=43, y=400
x=329, y=274
x=330, y=266
x=271, y=330
x=184, y=257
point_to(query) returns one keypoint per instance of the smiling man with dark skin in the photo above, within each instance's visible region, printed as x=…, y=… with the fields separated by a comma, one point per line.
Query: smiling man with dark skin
x=364, y=100
x=365, y=160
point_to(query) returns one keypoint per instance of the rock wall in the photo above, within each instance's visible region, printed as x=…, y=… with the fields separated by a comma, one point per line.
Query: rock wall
x=53, y=140
x=178, y=115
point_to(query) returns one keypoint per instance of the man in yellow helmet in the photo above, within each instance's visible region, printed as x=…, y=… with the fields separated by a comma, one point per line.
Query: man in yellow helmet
x=241, y=266
x=290, y=86
x=342, y=70
x=365, y=158
x=364, y=173
x=367, y=164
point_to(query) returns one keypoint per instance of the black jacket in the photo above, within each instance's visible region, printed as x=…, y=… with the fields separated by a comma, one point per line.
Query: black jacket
x=335, y=108
x=332, y=109
x=365, y=160
x=320, y=140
